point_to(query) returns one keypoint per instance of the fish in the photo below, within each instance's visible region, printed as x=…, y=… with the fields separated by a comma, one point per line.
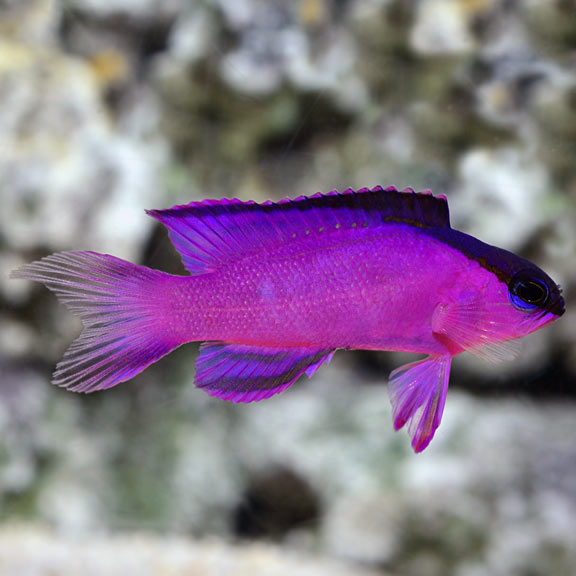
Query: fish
x=275, y=288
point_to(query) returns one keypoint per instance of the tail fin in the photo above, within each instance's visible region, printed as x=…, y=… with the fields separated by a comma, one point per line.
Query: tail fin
x=124, y=310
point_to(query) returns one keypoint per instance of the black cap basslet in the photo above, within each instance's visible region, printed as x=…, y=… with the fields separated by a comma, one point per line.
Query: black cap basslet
x=275, y=288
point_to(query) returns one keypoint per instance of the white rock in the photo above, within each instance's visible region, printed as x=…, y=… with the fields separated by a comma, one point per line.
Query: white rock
x=69, y=177
x=507, y=194
x=441, y=27
x=26, y=551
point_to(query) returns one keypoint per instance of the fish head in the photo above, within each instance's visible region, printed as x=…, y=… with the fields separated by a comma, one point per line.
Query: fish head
x=498, y=297
x=517, y=299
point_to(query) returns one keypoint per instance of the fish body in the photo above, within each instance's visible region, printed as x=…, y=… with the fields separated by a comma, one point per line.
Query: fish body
x=359, y=291
x=275, y=288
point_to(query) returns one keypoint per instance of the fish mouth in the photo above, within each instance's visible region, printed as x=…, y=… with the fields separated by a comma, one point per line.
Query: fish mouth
x=557, y=306
x=546, y=317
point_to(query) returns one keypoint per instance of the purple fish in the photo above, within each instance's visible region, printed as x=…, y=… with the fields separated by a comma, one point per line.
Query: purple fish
x=275, y=288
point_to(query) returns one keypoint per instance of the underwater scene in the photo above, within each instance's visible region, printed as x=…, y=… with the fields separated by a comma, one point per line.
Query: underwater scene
x=309, y=265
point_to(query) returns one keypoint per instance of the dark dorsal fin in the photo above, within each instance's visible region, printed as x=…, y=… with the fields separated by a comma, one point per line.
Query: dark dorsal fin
x=211, y=233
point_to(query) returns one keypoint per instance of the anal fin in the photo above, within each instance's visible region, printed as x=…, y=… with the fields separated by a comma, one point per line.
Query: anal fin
x=418, y=394
x=242, y=373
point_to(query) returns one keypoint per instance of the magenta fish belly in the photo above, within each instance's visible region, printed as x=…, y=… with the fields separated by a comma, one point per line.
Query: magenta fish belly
x=361, y=288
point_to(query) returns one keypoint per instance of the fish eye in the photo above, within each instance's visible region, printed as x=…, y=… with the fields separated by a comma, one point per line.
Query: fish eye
x=528, y=293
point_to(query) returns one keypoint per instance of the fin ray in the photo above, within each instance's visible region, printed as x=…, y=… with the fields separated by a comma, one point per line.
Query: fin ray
x=418, y=394
x=121, y=308
x=211, y=233
x=463, y=324
x=242, y=373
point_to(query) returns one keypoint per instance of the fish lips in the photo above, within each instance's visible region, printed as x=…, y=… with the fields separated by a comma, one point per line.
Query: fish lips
x=556, y=305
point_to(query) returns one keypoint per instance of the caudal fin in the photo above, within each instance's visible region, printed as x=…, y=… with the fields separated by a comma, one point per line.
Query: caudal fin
x=124, y=311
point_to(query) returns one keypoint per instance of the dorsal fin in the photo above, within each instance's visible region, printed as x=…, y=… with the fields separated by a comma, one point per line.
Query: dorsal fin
x=211, y=233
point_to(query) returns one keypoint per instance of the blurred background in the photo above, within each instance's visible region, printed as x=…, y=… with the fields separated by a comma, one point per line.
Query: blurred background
x=108, y=107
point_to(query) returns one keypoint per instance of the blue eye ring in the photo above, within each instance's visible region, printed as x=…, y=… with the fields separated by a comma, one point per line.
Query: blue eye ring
x=528, y=293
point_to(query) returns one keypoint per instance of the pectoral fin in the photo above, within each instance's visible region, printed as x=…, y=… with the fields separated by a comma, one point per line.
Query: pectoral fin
x=242, y=373
x=464, y=324
x=418, y=394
